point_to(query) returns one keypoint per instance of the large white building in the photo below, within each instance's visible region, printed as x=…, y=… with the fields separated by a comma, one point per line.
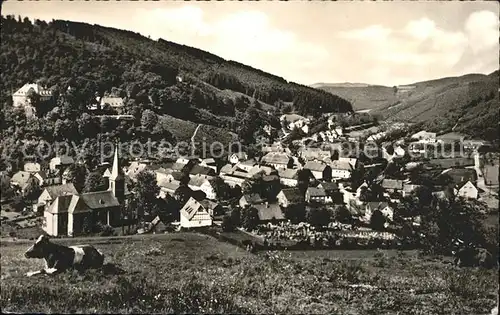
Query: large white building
x=21, y=97
x=194, y=215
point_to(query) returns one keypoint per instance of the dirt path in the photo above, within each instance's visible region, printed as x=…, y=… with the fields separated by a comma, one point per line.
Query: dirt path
x=194, y=133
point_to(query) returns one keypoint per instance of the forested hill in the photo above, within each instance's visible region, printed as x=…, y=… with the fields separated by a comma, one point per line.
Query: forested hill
x=93, y=58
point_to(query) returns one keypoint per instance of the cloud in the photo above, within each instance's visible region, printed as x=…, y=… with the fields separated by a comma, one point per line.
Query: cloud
x=422, y=50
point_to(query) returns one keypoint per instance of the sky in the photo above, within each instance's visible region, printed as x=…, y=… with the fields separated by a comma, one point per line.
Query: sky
x=386, y=43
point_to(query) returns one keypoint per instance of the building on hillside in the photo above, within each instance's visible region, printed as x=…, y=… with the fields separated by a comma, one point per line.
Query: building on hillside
x=269, y=212
x=277, y=160
x=20, y=181
x=212, y=207
x=424, y=135
x=115, y=103
x=50, y=193
x=61, y=162
x=21, y=98
x=85, y=210
x=289, y=177
x=310, y=154
x=320, y=170
x=332, y=190
x=319, y=195
x=289, y=197
x=250, y=199
x=194, y=215
x=466, y=190
x=168, y=187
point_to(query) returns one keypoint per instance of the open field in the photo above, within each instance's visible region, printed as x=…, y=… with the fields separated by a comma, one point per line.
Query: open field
x=187, y=272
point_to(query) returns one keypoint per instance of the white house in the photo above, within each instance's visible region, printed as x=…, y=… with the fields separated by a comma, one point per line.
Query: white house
x=424, y=135
x=246, y=165
x=466, y=190
x=384, y=207
x=114, y=102
x=238, y=157
x=320, y=171
x=60, y=162
x=20, y=97
x=289, y=177
x=289, y=197
x=203, y=184
x=341, y=169
x=277, y=160
x=50, y=193
x=194, y=215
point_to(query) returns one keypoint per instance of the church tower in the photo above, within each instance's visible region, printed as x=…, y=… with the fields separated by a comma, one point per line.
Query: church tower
x=117, y=179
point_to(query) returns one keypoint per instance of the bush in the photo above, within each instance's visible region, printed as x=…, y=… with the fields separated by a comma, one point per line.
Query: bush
x=107, y=230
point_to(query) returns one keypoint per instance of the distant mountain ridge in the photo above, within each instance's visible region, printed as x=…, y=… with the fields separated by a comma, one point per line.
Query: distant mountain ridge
x=467, y=103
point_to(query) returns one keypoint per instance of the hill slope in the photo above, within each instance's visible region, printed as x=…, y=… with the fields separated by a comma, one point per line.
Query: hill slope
x=467, y=104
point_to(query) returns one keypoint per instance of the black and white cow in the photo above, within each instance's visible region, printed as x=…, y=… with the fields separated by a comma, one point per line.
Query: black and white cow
x=59, y=258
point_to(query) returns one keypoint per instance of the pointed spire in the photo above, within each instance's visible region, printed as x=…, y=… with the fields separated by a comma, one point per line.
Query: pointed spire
x=116, y=172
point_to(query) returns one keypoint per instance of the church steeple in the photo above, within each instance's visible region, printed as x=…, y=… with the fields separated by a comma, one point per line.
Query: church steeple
x=117, y=179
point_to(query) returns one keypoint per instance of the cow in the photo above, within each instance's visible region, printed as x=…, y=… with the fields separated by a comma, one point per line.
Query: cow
x=59, y=258
x=471, y=256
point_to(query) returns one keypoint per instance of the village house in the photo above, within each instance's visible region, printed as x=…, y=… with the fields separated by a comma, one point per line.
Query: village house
x=310, y=154
x=237, y=157
x=135, y=168
x=340, y=169
x=115, y=103
x=320, y=170
x=175, y=176
x=384, y=207
x=32, y=167
x=70, y=214
x=202, y=171
x=209, y=162
x=277, y=160
x=61, y=162
x=408, y=189
x=168, y=187
x=203, y=184
x=269, y=212
x=246, y=165
x=21, y=98
x=50, y=193
x=466, y=190
x=20, y=181
x=194, y=215
x=289, y=177
x=212, y=207
x=319, y=195
x=392, y=185
x=250, y=199
x=458, y=162
x=293, y=121
x=332, y=190
x=428, y=137
x=290, y=197
x=161, y=173
x=461, y=175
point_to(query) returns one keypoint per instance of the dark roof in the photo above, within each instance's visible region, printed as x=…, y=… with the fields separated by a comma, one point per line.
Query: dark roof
x=454, y=162
x=59, y=190
x=201, y=170
x=61, y=204
x=293, y=195
x=392, y=184
x=269, y=212
x=329, y=186
x=316, y=192
x=459, y=175
x=100, y=199
x=253, y=198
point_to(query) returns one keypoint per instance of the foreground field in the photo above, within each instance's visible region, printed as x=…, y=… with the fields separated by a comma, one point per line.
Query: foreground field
x=192, y=273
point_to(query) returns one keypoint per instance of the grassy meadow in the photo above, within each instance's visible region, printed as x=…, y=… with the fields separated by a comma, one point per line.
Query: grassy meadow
x=193, y=273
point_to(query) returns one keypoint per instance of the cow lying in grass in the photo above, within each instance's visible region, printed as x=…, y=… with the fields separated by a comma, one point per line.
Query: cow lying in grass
x=59, y=258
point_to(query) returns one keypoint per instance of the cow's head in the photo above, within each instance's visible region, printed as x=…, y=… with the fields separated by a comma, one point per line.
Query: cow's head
x=38, y=249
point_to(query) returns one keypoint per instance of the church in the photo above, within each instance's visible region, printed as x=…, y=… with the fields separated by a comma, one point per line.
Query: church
x=71, y=214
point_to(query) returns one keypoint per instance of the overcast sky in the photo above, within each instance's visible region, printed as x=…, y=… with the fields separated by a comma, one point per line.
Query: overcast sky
x=385, y=43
